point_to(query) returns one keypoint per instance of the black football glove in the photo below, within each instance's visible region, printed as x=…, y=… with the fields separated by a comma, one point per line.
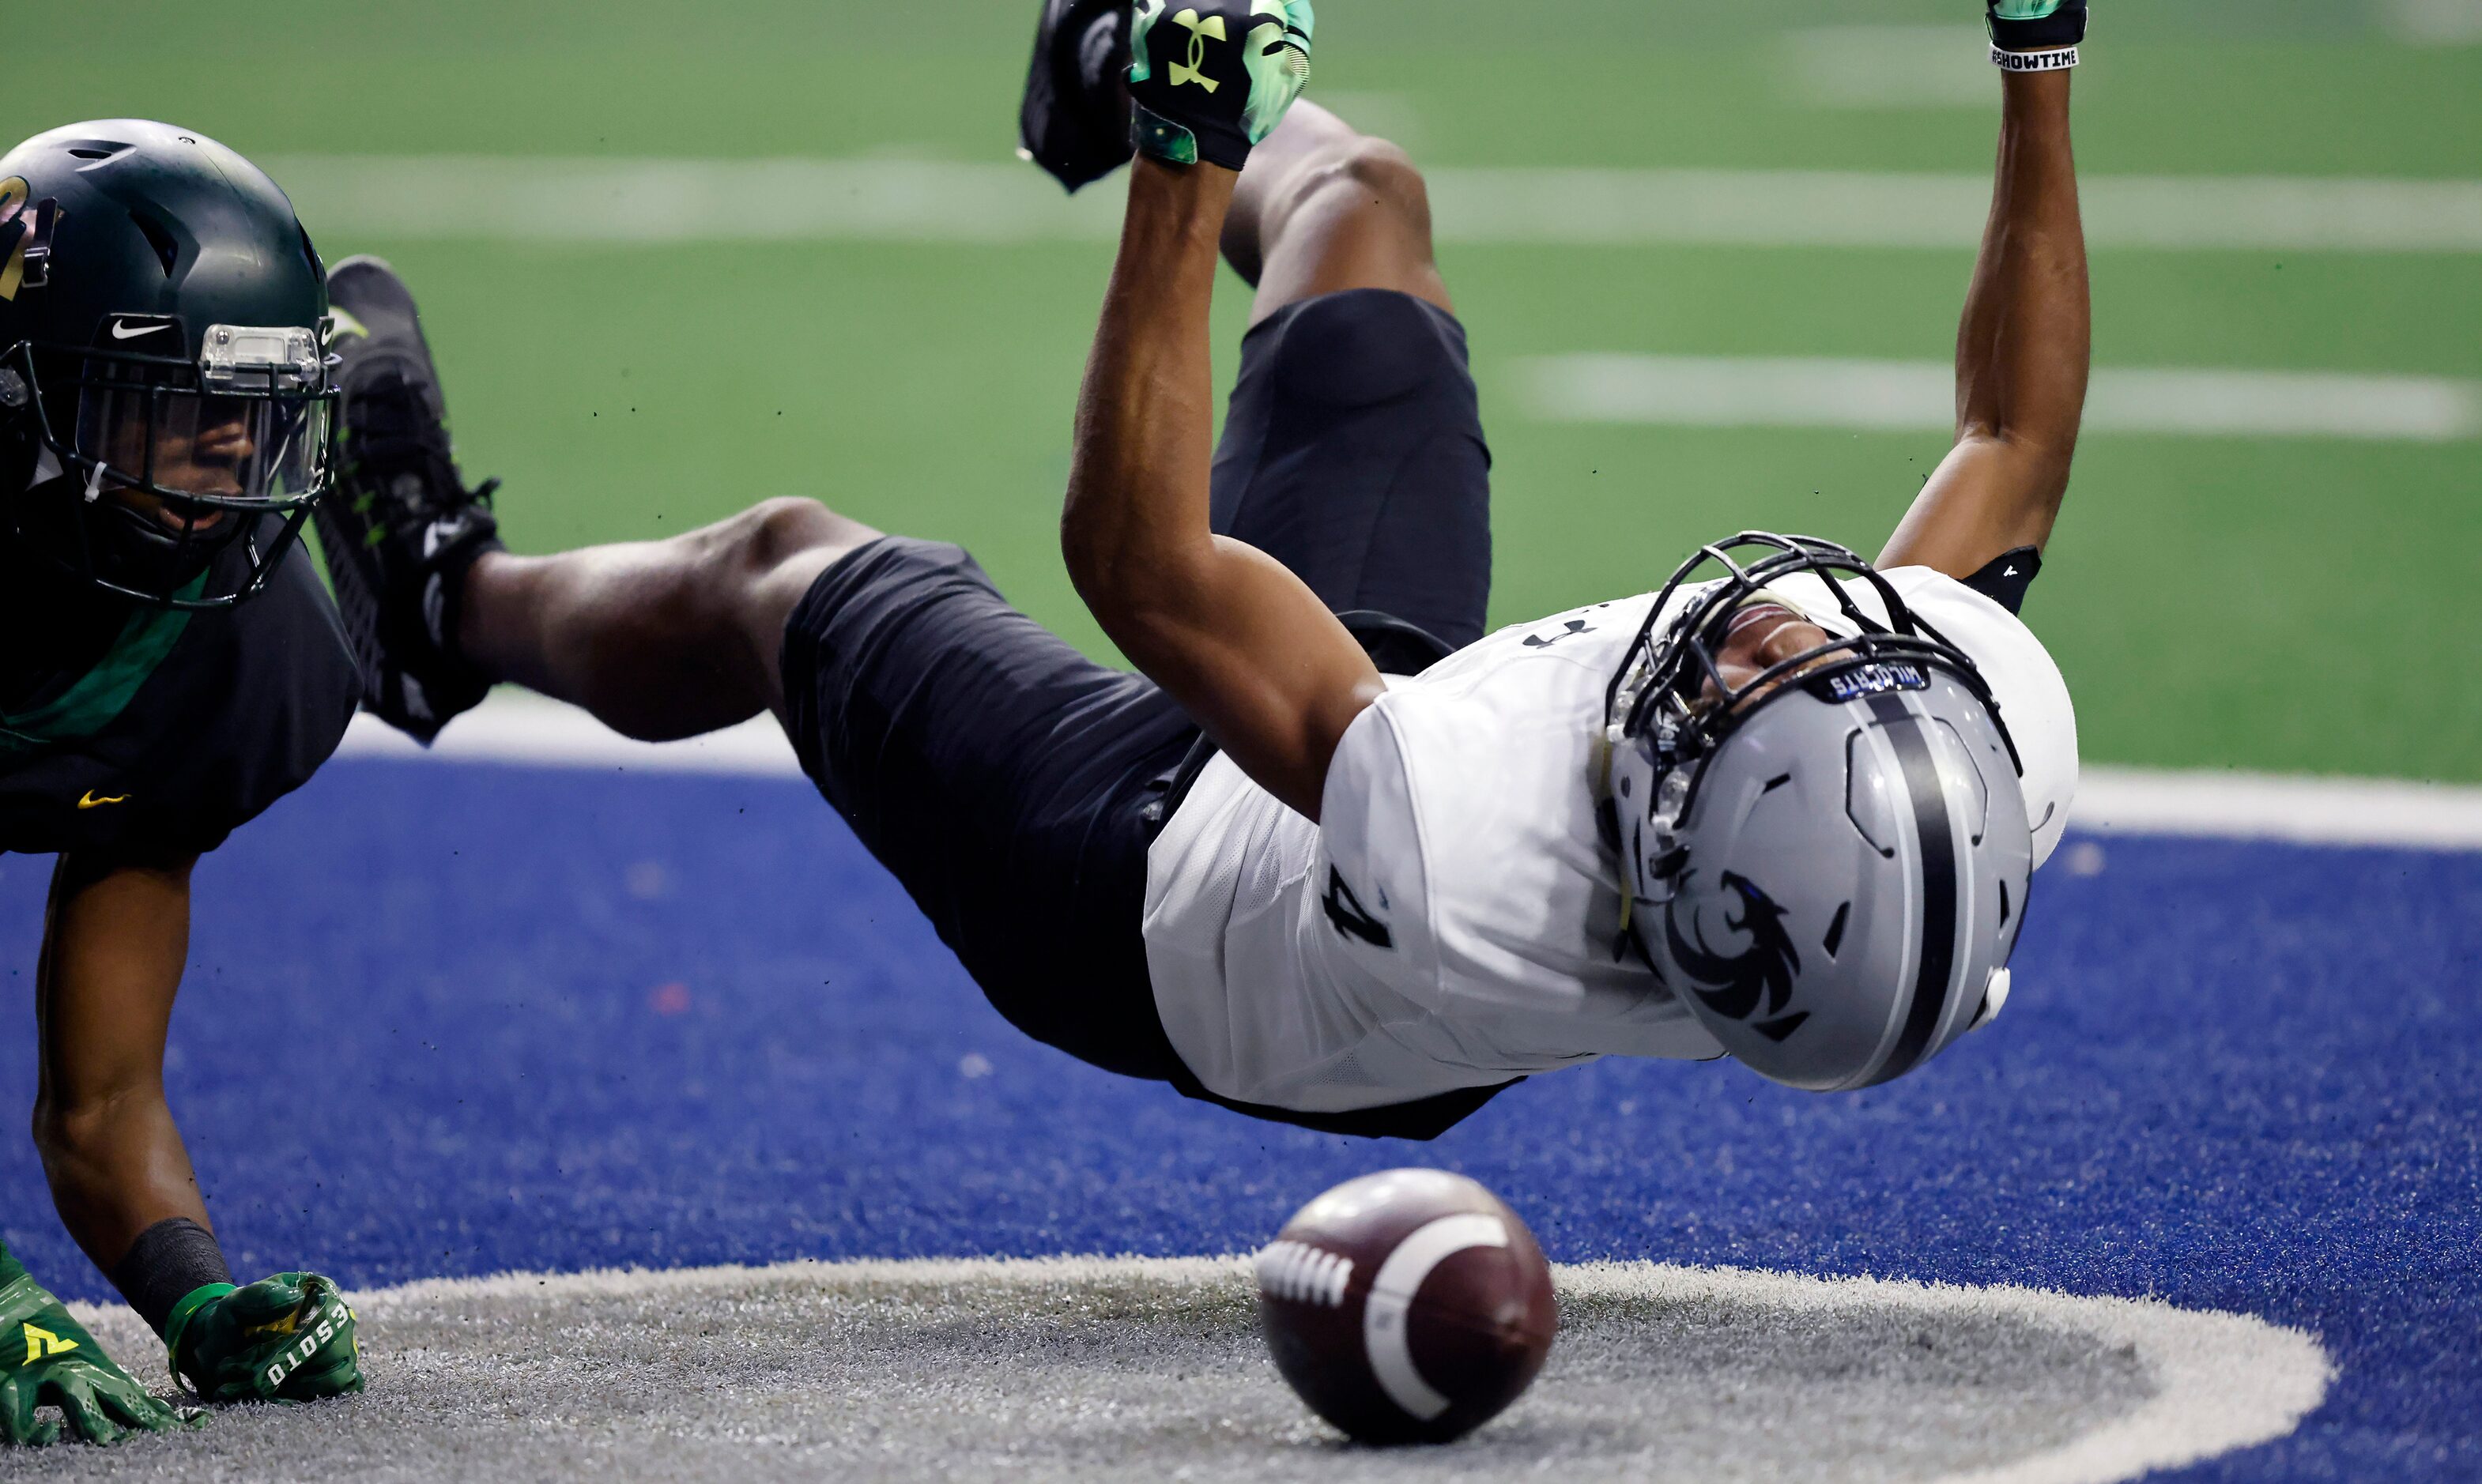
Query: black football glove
x=1211, y=79
x=2036, y=36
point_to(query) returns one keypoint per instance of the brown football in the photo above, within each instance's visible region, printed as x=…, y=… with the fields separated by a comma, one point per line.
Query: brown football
x=1408, y=1306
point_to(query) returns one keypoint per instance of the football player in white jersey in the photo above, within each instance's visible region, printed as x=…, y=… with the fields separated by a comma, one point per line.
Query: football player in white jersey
x=1333, y=857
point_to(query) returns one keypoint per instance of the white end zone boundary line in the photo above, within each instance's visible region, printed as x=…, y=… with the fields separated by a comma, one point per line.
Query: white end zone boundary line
x=2223, y=1381
x=512, y=728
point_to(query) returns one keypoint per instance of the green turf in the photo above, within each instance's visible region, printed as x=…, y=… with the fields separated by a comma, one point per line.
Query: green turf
x=2283, y=604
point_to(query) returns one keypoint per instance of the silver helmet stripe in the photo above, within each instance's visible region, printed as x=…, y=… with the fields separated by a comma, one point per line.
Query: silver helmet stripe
x=1937, y=840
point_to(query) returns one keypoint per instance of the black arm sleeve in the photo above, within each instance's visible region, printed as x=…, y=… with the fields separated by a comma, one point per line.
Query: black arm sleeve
x=2005, y=578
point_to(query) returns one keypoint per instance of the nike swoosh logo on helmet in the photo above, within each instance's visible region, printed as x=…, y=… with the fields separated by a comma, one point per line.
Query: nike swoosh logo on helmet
x=132, y=332
x=88, y=800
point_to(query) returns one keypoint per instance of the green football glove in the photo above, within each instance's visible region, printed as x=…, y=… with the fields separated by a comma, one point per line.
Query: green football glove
x=48, y=1360
x=2036, y=36
x=1209, y=80
x=289, y=1337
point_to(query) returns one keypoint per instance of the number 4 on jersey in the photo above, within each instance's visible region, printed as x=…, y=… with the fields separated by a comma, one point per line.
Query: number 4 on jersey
x=1351, y=919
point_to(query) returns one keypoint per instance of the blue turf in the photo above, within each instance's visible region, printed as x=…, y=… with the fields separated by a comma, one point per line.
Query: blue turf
x=464, y=1020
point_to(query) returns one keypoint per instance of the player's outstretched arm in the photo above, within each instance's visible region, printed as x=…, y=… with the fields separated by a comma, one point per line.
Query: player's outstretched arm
x=2022, y=349
x=116, y=936
x=1228, y=630
x=114, y=940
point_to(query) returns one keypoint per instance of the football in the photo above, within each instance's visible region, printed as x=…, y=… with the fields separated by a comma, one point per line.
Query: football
x=1408, y=1306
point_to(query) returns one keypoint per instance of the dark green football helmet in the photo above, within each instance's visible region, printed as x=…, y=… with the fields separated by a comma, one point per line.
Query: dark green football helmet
x=165, y=391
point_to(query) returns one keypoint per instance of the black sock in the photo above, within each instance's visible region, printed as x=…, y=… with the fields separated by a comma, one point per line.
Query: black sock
x=171, y=1261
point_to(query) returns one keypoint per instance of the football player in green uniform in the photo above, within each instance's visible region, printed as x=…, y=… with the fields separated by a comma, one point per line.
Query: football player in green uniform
x=172, y=669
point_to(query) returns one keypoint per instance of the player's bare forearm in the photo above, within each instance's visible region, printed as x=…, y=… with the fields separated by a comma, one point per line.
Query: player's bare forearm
x=115, y=935
x=1138, y=477
x=2023, y=352
x=2025, y=342
x=1247, y=648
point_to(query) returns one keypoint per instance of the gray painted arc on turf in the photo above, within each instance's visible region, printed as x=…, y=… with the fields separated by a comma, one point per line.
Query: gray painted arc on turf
x=1135, y=1368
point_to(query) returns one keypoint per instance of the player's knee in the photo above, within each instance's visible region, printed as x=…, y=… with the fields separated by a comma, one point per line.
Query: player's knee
x=760, y=563
x=768, y=534
x=1364, y=176
x=1387, y=177
x=1362, y=213
x=741, y=553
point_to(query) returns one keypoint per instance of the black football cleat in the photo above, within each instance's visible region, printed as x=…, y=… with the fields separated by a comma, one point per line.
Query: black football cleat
x=1074, y=121
x=400, y=527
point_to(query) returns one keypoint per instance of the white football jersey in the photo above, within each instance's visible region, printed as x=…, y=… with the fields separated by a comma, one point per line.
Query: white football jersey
x=1454, y=917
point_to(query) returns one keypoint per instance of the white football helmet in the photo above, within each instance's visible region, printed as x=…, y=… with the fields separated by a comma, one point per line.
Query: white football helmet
x=1828, y=864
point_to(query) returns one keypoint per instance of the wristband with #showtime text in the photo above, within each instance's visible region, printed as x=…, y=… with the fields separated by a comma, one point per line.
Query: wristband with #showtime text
x=2057, y=60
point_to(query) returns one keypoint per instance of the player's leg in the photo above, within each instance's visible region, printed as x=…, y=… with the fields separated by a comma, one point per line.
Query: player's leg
x=1001, y=776
x=659, y=639
x=1353, y=450
x=1324, y=209
x=1006, y=779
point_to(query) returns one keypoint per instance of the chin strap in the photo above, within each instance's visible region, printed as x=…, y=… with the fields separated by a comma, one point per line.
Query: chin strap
x=1995, y=999
x=1608, y=813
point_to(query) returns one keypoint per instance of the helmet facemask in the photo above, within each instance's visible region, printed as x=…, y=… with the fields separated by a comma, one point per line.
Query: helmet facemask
x=149, y=467
x=1671, y=702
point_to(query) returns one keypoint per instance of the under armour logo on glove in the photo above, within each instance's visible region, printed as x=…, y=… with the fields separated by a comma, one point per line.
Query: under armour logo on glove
x=1183, y=111
x=1194, y=70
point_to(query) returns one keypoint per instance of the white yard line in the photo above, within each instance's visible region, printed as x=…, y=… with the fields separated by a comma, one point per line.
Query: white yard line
x=357, y=203
x=515, y=728
x=1696, y=391
x=2435, y=22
